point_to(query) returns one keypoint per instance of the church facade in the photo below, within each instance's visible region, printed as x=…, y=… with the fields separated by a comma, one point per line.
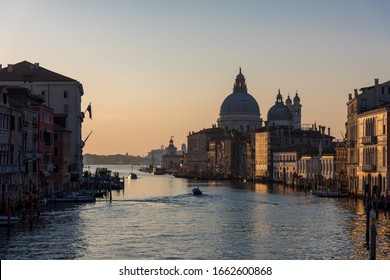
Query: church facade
x=242, y=146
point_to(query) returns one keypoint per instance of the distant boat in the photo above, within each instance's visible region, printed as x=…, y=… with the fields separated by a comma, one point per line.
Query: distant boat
x=196, y=191
x=132, y=176
x=4, y=220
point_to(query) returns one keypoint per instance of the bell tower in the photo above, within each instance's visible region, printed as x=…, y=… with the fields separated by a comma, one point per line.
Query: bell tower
x=297, y=112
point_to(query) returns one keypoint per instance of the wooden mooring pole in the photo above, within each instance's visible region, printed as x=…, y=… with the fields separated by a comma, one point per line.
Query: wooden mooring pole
x=110, y=190
x=31, y=210
x=368, y=209
x=24, y=202
x=373, y=233
x=9, y=212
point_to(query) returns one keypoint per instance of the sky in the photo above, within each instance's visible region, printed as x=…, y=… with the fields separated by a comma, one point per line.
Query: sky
x=155, y=69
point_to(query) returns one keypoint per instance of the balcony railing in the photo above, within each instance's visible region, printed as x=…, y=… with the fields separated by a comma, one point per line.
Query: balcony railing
x=369, y=140
x=12, y=169
x=31, y=155
x=369, y=168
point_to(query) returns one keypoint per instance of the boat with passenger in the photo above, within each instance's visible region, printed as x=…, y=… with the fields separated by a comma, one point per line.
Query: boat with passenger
x=196, y=191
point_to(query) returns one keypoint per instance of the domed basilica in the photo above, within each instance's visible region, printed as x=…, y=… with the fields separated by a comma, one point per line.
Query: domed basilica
x=240, y=111
x=241, y=147
x=288, y=114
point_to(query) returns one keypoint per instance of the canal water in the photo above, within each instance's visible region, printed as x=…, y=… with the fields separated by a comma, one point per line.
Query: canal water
x=157, y=217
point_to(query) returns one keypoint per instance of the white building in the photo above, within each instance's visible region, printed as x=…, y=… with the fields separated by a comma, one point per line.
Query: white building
x=285, y=164
x=61, y=93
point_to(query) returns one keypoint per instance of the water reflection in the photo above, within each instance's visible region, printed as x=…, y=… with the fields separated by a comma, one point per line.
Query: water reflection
x=157, y=217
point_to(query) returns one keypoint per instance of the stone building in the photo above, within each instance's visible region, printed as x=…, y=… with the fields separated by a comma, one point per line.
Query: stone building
x=284, y=133
x=372, y=146
x=61, y=93
x=171, y=160
x=19, y=152
x=370, y=97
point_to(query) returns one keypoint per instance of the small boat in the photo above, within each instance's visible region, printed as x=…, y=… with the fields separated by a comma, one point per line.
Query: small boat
x=329, y=193
x=4, y=220
x=132, y=176
x=196, y=191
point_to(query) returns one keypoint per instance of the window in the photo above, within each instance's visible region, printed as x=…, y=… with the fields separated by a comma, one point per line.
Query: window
x=65, y=94
x=55, y=136
x=56, y=151
x=4, y=98
x=66, y=108
x=43, y=92
x=363, y=104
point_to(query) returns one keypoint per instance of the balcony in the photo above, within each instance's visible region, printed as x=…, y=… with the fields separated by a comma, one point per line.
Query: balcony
x=12, y=169
x=350, y=143
x=369, y=140
x=31, y=155
x=369, y=168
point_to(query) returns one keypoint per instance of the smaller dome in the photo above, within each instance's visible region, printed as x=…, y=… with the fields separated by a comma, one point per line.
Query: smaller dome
x=279, y=112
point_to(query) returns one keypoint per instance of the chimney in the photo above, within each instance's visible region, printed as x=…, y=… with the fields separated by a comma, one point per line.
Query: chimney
x=376, y=82
x=349, y=96
x=36, y=65
x=10, y=67
x=323, y=129
x=356, y=92
x=1, y=67
x=329, y=131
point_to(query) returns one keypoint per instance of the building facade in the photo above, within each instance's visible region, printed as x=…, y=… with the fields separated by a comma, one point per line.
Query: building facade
x=372, y=146
x=19, y=153
x=369, y=98
x=61, y=93
x=172, y=162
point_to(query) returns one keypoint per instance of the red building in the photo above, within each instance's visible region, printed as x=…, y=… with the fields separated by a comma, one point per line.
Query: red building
x=62, y=153
x=45, y=148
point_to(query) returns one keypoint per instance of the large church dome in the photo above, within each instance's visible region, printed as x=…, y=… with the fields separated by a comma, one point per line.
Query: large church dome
x=239, y=110
x=239, y=103
x=279, y=114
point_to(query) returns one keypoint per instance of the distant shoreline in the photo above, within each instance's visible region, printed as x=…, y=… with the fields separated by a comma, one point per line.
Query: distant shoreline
x=92, y=159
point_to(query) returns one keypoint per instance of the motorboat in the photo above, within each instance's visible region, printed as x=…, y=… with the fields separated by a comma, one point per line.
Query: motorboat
x=196, y=191
x=132, y=176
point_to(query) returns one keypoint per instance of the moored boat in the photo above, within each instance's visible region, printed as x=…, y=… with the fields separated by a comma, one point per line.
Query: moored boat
x=12, y=220
x=132, y=176
x=329, y=193
x=75, y=197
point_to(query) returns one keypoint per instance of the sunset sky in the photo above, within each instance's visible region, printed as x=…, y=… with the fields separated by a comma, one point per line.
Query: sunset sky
x=155, y=69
